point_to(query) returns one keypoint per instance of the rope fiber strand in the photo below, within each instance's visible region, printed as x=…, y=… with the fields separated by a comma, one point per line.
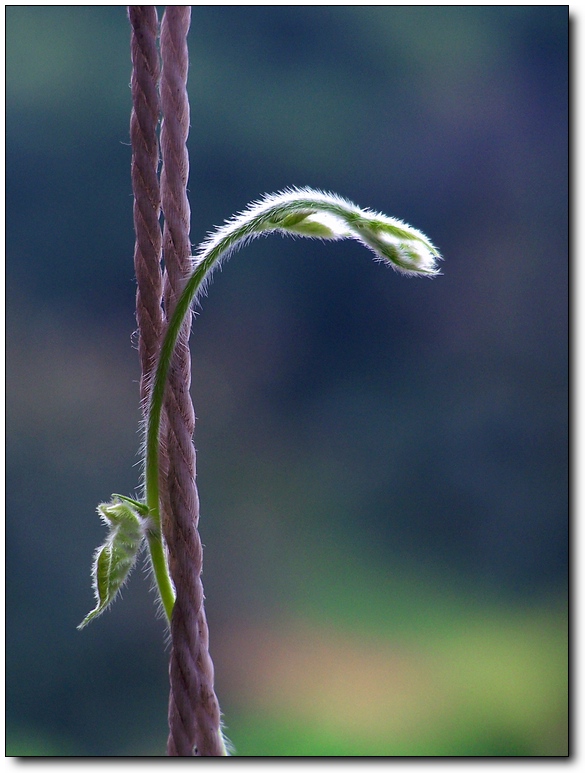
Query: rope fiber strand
x=194, y=716
x=145, y=185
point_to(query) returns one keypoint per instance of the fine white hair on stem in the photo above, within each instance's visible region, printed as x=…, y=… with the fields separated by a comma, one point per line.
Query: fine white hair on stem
x=297, y=212
x=319, y=215
x=294, y=211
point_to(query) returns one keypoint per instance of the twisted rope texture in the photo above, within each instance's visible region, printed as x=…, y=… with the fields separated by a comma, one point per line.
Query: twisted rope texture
x=194, y=717
x=145, y=185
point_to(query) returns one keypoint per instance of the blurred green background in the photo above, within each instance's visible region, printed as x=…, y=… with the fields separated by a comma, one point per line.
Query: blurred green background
x=382, y=461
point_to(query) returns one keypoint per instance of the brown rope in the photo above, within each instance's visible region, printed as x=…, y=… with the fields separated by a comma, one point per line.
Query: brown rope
x=194, y=717
x=144, y=124
x=145, y=185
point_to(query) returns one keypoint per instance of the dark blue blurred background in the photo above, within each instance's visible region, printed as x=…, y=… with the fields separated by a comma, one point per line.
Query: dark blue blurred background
x=379, y=458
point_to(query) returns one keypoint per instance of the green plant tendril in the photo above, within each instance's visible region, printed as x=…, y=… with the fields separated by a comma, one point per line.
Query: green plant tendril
x=303, y=212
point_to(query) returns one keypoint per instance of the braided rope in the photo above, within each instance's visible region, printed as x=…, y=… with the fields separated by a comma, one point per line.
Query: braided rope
x=194, y=717
x=145, y=185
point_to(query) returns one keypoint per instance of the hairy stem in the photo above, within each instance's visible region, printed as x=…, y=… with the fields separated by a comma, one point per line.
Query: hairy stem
x=303, y=212
x=161, y=572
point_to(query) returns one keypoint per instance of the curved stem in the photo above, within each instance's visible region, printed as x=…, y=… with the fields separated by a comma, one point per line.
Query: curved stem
x=161, y=573
x=152, y=462
x=303, y=212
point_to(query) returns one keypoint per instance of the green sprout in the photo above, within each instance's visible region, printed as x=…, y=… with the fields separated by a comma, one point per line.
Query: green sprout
x=298, y=212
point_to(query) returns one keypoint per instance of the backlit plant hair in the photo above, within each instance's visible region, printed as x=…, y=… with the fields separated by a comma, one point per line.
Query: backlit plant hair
x=298, y=212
